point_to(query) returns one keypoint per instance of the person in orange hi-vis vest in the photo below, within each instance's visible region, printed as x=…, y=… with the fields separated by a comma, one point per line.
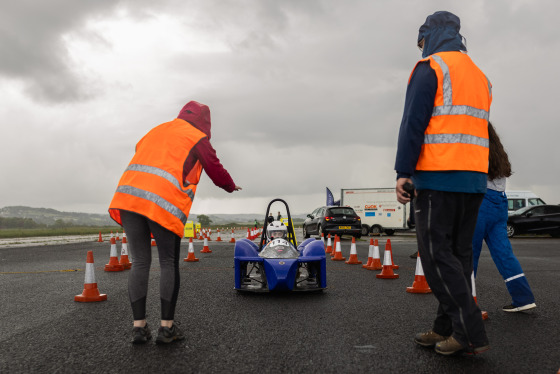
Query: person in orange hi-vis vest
x=154, y=196
x=443, y=153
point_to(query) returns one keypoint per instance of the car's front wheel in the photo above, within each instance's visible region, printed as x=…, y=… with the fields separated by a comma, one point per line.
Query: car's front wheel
x=376, y=230
x=305, y=233
x=510, y=231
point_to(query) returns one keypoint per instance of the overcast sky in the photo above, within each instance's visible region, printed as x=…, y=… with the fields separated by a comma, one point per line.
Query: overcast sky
x=304, y=94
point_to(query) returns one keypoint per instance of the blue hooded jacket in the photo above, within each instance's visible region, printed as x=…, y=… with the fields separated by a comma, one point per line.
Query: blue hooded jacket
x=441, y=34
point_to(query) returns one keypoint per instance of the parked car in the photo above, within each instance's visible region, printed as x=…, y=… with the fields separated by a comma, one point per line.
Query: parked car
x=521, y=199
x=333, y=220
x=540, y=219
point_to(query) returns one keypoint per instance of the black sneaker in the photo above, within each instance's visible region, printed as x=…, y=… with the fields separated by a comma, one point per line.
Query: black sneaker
x=512, y=308
x=168, y=335
x=141, y=335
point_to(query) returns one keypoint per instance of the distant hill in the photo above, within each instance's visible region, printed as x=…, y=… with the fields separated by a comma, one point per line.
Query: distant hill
x=50, y=216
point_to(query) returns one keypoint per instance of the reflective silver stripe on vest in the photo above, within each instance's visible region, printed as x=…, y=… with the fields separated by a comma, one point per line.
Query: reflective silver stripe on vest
x=448, y=108
x=460, y=109
x=455, y=138
x=160, y=173
x=154, y=198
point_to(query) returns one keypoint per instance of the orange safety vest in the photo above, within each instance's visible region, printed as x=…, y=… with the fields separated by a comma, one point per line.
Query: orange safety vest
x=152, y=183
x=457, y=135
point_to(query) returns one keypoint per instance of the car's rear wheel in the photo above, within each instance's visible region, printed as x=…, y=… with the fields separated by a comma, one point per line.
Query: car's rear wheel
x=305, y=233
x=510, y=231
x=319, y=230
x=390, y=232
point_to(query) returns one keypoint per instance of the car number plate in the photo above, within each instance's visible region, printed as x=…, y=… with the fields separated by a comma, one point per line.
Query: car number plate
x=344, y=227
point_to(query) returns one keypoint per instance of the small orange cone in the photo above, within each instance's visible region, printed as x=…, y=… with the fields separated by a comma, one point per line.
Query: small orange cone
x=153, y=240
x=124, y=254
x=420, y=285
x=338, y=253
x=324, y=241
x=208, y=235
x=329, y=244
x=190, y=256
x=370, y=255
x=387, y=272
x=205, y=249
x=249, y=234
x=375, y=260
x=90, y=292
x=200, y=237
x=117, y=236
x=391, y=250
x=232, y=240
x=219, y=238
x=100, y=240
x=113, y=264
x=353, y=259
x=483, y=312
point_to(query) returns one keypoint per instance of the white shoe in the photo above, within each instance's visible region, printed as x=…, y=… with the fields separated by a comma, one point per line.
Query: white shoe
x=511, y=308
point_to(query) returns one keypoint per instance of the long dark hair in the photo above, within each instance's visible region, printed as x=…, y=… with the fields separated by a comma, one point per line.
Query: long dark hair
x=498, y=162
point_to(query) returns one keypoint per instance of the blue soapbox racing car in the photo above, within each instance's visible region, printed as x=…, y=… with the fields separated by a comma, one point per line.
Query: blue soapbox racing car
x=278, y=263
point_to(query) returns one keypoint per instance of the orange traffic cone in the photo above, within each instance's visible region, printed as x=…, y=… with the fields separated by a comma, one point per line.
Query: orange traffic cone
x=338, y=253
x=90, y=292
x=353, y=259
x=387, y=272
x=375, y=259
x=124, y=254
x=232, y=240
x=329, y=244
x=336, y=239
x=420, y=285
x=219, y=238
x=200, y=237
x=205, y=249
x=190, y=256
x=391, y=250
x=323, y=240
x=100, y=240
x=113, y=264
x=117, y=236
x=483, y=312
x=249, y=234
x=208, y=235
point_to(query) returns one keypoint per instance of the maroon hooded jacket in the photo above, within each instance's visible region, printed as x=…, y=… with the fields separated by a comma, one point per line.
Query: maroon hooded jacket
x=198, y=115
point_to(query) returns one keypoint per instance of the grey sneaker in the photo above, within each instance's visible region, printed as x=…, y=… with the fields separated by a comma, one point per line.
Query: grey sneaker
x=511, y=308
x=141, y=335
x=168, y=335
x=428, y=339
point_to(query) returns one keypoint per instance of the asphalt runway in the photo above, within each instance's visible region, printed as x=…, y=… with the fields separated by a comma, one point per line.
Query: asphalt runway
x=359, y=324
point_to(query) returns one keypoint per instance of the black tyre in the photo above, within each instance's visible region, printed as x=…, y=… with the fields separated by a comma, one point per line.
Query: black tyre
x=390, y=232
x=376, y=230
x=510, y=231
x=305, y=233
x=358, y=236
x=365, y=230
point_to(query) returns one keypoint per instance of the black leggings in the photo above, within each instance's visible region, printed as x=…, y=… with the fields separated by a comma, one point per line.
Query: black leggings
x=138, y=229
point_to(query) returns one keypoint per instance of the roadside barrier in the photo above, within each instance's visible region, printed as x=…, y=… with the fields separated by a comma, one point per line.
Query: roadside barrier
x=125, y=262
x=338, y=253
x=353, y=259
x=483, y=312
x=113, y=264
x=387, y=271
x=420, y=284
x=329, y=244
x=190, y=254
x=205, y=249
x=90, y=292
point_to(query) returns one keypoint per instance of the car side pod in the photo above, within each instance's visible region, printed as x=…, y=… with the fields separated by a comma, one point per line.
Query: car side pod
x=245, y=250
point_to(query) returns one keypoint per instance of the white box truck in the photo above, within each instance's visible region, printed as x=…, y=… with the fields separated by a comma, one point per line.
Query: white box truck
x=378, y=208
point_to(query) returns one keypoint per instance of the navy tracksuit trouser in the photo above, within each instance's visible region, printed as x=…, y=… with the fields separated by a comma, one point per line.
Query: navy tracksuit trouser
x=445, y=223
x=491, y=227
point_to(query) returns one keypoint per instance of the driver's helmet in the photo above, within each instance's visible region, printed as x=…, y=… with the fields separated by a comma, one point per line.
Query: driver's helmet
x=276, y=230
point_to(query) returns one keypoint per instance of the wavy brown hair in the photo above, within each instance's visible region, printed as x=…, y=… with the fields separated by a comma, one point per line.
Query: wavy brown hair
x=498, y=162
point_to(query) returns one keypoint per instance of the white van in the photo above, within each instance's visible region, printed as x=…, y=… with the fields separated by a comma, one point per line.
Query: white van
x=521, y=199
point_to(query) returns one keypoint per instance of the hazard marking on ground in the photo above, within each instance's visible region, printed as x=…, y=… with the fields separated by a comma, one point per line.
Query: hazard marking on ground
x=41, y=271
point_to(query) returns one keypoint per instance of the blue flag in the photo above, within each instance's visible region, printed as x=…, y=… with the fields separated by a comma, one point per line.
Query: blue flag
x=330, y=198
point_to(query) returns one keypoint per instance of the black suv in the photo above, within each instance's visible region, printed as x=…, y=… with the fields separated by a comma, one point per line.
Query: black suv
x=333, y=220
